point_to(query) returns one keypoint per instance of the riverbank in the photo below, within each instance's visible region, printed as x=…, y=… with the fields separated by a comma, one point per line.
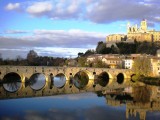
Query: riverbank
x=150, y=80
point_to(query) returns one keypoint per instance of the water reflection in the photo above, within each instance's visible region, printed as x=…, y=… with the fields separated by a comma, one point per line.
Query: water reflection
x=37, y=81
x=12, y=87
x=142, y=93
x=84, y=106
x=11, y=82
x=103, y=79
x=133, y=101
x=120, y=78
x=80, y=80
x=59, y=80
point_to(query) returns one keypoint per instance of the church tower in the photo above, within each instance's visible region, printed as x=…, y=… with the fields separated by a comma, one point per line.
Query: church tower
x=128, y=27
x=144, y=25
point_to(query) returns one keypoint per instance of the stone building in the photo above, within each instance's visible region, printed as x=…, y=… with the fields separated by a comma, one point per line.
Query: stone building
x=115, y=38
x=134, y=32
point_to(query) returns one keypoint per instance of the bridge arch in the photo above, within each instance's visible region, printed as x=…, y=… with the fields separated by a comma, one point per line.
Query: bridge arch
x=103, y=79
x=111, y=76
x=14, y=73
x=37, y=81
x=133, y=76
x=12, y=82
x=81, y=79
x=121, y=78
x=59, y=80
x=89, y=74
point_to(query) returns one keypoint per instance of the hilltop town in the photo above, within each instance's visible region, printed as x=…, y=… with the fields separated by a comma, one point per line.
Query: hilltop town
x=135, y=34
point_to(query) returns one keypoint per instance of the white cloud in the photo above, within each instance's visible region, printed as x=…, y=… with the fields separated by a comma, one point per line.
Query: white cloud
x=51, y=42
x=101, y=11
x=39, y=8
x=13, y=6
x=157, y=18
x=106, y=11
x=73, y=7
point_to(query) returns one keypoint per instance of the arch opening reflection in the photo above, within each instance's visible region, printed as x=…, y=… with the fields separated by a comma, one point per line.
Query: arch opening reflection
x=37, y=81
x=120, y=78
x=59, y=80
x=12, y=82
x=81, y=80
x=103, y=79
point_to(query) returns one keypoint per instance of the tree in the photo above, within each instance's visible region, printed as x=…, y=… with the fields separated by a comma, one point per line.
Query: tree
x=147, y=47
x=142, y=66
x=80, y=54
x=142, y=94
x=1, y=60
x=126, y=48
x=101, y=48
x=114, y=50
x=89, y=52
x=31, y=56
x=19, y=58
x=82, y=61
x=0, y=57
x=99, y=64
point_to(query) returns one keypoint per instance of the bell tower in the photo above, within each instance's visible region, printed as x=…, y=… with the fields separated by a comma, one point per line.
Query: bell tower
x=128, y=27
x=144, y=25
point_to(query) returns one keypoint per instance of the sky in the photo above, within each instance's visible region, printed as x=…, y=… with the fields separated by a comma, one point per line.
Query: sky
x=62, y=28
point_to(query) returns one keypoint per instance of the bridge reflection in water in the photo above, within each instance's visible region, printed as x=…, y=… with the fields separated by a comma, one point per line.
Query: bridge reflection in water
x=30, y=81
x=138, y=98
x=37, y=85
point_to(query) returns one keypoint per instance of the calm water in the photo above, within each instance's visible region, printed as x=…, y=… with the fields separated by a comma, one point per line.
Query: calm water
x=57, y=101
x=85, y=106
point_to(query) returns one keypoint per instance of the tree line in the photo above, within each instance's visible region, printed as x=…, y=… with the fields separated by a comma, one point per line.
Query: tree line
x=33, y=59
x=128, y=48
x=123, y=48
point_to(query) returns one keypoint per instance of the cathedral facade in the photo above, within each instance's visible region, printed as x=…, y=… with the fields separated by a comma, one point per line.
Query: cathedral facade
x=134, y=32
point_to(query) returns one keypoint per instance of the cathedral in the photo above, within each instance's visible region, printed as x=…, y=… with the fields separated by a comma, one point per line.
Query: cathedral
x=134, y=32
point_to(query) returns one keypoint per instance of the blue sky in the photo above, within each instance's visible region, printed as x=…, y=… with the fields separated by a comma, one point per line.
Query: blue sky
x=62, y=28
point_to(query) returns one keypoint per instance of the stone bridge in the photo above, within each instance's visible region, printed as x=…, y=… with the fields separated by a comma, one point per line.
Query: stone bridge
x=25, y=72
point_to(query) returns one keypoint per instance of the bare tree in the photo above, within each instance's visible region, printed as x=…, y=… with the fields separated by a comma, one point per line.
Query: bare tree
x=19, y=58
x=31, y=56
x=0, y=57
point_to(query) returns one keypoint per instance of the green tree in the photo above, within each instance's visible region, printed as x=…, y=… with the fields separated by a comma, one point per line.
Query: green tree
x=147, y=48
x=80, y=54
x=82, y=61
x=99, y=64
x=114, y=50
x=101, y=48
x=89, y=52
x=142, y=67
x=126, y=48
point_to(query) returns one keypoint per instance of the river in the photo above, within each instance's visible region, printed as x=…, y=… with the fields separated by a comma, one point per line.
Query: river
x=37, y=100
